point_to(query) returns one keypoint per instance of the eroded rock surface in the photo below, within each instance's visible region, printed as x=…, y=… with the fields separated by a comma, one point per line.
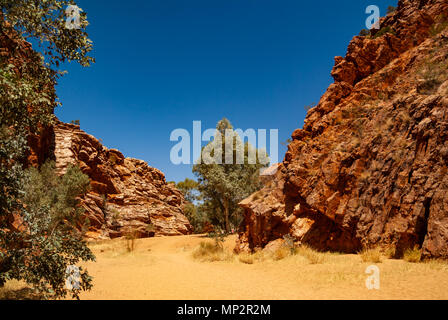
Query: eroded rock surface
x=369, y=166
x=126, y=196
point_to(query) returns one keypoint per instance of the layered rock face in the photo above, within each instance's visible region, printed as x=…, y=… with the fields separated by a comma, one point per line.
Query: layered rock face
x=127, y=196
x=369, y=168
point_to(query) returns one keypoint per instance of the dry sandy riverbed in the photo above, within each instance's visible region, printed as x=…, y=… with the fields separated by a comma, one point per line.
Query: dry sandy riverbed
x=163, y=268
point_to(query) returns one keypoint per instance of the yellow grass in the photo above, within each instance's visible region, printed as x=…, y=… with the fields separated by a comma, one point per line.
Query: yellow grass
x=412, y=255
x=371, y=255
x=164, y=268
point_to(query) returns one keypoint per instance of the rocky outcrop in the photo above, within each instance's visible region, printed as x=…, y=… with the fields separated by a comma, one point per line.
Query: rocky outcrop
x=369, y=168
x=127, y=196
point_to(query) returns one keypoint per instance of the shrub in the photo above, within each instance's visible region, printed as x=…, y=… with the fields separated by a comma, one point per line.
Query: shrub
x=51, y=239
x=384, y=31
x=364, y=33
x=313, y=256
x=130, y=236
x=412, y=255
x=289, y=244
x=280, y=253
x=246, y=258
x=390, y=252
x=371, y=255
x=211, y=252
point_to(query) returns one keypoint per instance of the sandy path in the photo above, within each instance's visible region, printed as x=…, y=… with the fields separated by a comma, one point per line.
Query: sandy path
x=162, y=268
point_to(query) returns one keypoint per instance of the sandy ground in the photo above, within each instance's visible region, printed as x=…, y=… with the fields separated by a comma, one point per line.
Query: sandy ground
x=163, y=268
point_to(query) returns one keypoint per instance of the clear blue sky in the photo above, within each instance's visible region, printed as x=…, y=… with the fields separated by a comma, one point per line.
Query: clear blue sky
x=163, y=63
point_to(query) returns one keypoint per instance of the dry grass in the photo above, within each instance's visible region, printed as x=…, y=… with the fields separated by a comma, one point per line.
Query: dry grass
x=412, y=255
x=339, y=276
x=280, y=253
x=211, y=252
x=371, y=255
x=17, y=290
x=313, y=256
x=389, y=252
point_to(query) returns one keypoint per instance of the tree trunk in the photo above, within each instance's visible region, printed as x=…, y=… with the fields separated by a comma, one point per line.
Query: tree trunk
x=226, y=215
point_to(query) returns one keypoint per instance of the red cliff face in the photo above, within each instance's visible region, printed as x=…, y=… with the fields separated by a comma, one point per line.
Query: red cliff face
x=369, y=166
x=126, y=194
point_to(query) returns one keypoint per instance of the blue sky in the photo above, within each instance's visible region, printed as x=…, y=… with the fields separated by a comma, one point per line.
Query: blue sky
x=161, y=64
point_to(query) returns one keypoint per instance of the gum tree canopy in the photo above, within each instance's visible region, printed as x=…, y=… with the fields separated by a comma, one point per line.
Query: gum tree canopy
x=39, y=237
x=226, y=177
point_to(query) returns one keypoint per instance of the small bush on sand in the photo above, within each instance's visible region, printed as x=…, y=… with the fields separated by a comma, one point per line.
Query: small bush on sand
x=251, y=258
x=371, y=255
x=280, y=253
x=208, y=251
x=131, y=236
x=313, y=256
x=246, y=258
x=389, y=252
x=413, y=255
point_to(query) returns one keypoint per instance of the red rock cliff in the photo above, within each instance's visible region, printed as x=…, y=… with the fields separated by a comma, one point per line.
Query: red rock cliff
x=370, y=165
x=126, y=194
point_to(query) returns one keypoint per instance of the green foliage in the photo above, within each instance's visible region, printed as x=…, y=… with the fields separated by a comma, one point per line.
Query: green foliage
x=47, y=239
x=222, y=185
x=364, y=33
x=40, y=200
x=197, y=217
x=384, y=31
x=189, y=188
x=44, y=21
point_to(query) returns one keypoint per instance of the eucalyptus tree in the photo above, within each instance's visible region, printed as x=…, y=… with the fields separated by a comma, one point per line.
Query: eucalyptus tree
x=38, y=239
x=227, y=173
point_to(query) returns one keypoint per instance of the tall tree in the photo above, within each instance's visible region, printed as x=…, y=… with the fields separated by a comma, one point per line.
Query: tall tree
x=27, y=100
x=227, y=174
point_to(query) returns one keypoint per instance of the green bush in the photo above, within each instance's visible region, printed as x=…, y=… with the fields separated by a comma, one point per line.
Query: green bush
x=50, y=237
x=384, y=31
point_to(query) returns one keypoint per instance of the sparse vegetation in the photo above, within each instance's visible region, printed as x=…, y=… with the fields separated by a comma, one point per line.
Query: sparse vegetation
x=364, y=33
x=280, y=253
x=432, y=74
x=313, y=256
x=412, y=255
x=130, y=237
x=211, y=252
x=371, y=255
x=383, y=31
